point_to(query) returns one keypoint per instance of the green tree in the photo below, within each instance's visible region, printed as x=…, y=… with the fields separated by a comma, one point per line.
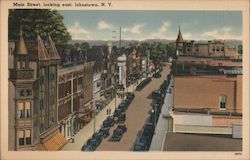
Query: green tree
x=84, y=46
x=38, y=21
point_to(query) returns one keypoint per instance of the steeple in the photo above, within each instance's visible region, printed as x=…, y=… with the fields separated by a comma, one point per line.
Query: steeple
x=179, y=38
x=21, y=48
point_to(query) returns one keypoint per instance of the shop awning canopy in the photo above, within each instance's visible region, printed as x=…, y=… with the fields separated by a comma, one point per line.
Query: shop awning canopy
x=55, y=143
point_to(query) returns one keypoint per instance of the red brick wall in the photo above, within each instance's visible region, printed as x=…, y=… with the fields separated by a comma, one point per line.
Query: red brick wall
x=197, y=92
x=226, y=121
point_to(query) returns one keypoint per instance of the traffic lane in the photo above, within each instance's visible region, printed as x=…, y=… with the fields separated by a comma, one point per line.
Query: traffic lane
x=137, y=114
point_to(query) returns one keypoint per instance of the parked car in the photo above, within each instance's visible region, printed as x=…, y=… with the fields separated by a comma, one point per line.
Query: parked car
x=139, y=147
x=143, y=84
x=118, y=112
x=93, y=143
x=98, y=137
x=123, y=107
x=104, y=132
x=130, y=95
x=108, y=122
x=87, y=148
x=121, y=118
x=122, y=127
x=117, y=135
x=145, y=140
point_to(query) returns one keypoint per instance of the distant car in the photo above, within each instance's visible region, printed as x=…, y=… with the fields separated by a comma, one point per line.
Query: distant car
x=130, y=95
x=123, y=107
x=157, y=75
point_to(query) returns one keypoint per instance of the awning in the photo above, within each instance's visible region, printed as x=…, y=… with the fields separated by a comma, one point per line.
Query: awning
x=85, y=119
x=53, y=144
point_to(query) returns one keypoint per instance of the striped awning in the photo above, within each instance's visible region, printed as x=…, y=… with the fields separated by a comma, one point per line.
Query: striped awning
x=55, y=143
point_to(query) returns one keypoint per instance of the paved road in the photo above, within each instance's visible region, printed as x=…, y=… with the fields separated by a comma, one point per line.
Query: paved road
x=87, y=131
x=137, y=114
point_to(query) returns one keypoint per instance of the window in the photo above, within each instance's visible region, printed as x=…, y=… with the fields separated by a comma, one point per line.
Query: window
x=74, y=85
x=28, y=92
x=21, y=138
x=42, y=97
x=20, y=108
x=42, y=78
x=24, y=137
x=28, y=136
x=222, y=48
x=27, y=109
x=25, y=92
x=24, y=110
x=218, y=48
x=80, y=83
x=223, y=100
x=22, y=93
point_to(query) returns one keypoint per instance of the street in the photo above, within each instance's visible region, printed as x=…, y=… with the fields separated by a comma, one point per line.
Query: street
x=137, y=115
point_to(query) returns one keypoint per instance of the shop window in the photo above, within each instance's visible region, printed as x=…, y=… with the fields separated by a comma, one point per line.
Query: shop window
x=223, y=102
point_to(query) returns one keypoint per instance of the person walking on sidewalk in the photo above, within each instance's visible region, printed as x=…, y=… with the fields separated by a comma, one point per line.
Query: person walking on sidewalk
x=107, y=111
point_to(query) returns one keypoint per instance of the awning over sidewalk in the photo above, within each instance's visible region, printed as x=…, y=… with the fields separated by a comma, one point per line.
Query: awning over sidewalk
x=53, y=144
x=85, y=120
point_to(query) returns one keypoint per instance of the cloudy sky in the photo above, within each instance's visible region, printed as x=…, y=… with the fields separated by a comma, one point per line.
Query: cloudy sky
x=140, y=25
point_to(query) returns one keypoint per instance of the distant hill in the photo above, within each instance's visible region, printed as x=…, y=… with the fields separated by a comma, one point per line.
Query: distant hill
x=231, y=43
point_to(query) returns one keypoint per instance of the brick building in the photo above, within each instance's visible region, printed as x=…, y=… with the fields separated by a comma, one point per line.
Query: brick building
x=104, y=56
x=207, y=83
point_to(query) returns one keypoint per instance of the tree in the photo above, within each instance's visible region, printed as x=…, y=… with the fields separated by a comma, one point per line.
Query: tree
x=84, y=46
x=38, y=21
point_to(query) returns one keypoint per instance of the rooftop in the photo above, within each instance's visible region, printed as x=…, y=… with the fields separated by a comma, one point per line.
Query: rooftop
x=200, y=142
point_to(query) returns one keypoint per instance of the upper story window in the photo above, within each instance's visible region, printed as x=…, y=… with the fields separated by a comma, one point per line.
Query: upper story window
x=25, y=92
x=42, y=78
x=223, y=102
x=24, y=109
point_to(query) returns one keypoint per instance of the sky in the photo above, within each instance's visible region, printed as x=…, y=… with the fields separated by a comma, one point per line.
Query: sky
x=141, y=25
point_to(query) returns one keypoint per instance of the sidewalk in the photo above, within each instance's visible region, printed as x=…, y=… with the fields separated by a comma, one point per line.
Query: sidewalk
x=87, y=131
x=162, y=125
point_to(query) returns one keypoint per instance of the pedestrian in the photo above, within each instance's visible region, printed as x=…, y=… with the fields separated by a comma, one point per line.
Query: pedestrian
x=110, y=111
x=107, y=111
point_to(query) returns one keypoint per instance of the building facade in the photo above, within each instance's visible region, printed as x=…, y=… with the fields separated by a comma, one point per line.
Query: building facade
x=215, y=48
x=33, y=96
x=75, y=98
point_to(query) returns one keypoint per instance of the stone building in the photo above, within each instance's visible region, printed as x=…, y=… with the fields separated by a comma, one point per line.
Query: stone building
x=33, y=96
x=214, y=48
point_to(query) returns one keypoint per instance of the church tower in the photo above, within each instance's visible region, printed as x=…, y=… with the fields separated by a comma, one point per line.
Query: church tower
x=179, y=43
